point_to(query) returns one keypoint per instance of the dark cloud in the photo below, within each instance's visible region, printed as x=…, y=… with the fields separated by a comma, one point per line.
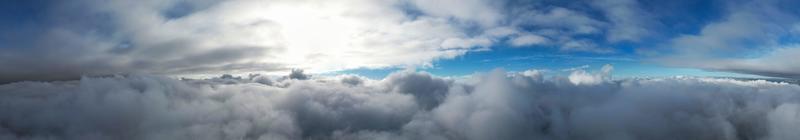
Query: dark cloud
x=298, y=74
x=428, y=90
x=353, y=80
x=497, y=105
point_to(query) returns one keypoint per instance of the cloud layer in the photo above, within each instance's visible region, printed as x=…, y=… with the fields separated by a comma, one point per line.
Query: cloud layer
x=405, y=105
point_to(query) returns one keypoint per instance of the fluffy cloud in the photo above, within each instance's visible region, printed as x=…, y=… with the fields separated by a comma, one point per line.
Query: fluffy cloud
x=406, y=105
x=581, y=77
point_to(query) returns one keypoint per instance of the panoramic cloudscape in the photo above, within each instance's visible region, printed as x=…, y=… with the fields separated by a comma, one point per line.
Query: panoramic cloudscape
x=400, y=69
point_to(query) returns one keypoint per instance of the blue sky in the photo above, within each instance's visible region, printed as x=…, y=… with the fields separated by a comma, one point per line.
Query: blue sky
x=521, y=59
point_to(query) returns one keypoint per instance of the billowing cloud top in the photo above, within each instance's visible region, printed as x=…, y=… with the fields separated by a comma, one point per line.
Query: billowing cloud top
x=50, y=40
x=404, y=106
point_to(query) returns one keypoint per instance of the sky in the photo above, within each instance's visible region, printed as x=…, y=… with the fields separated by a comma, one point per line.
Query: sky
x=405, y=105
x=55, y=40
x=399, y=69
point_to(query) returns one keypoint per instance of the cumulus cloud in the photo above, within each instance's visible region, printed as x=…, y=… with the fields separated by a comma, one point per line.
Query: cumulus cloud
x=405, y=105
x=581, y=77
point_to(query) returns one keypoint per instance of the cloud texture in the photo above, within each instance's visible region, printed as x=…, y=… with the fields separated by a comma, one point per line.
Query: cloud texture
x=59, y=40
x=752, y=37
x=405, y=105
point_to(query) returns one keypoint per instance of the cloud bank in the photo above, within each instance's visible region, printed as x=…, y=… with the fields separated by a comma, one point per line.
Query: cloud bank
x=405, y=105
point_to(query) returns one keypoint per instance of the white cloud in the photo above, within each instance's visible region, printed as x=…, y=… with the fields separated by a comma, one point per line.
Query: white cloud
x=535, y=74
x=483, y=12
x=406, y=105
x=559, y=18
x=577, y=68
x=631, y=23
x=581, y=77
x=528, y=40
x=213, y=37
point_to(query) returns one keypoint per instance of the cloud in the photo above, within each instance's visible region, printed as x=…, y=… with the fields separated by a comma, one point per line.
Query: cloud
x=483, y=12
x=204, y=37
x=429, y=91
x=527, y=40
x=751, y=38
x=574, y=22
x=576, y=68
x=298, y=74
x=783, y=118
x=581, y=77
x=497, y=105
x=776, y=63
x=176, y=37
x=631, y=23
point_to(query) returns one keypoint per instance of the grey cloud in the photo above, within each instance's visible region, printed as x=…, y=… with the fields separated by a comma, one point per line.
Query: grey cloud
x=498, y=105
x=298, y=74
x=257, y=78
x=779, y=62
x=353, y=80
x=111, y=37
x=429, y=91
